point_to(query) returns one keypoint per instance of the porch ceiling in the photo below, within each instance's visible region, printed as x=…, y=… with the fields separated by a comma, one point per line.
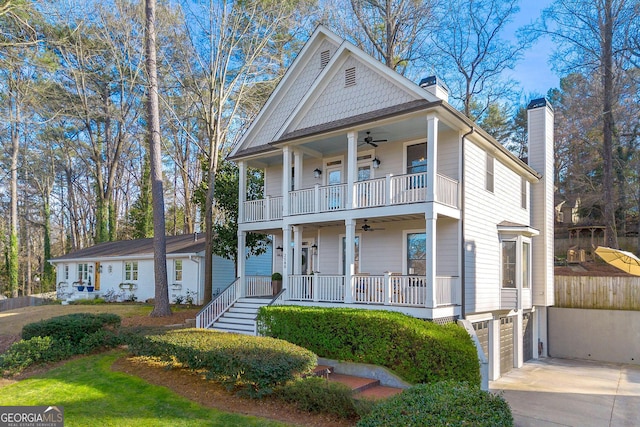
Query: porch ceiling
x=372, y=221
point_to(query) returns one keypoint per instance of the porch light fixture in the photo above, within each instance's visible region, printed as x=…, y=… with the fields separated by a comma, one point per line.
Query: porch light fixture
x=315, y=249
x=279, y=249
x=376, y=163
x=317, y=173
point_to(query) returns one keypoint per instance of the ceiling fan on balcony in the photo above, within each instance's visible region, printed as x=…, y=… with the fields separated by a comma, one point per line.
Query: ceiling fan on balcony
x=367, y=227
x=372, y=142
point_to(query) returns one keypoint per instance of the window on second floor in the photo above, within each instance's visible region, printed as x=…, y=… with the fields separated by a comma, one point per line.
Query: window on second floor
x=523, y=193
x=489, y=179
x=131, y=270
x=417, y=158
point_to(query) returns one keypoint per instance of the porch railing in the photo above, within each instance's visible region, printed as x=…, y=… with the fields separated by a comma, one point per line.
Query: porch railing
x=390, y=190
x=258, y=286
x=376, y=290
x=216, y=308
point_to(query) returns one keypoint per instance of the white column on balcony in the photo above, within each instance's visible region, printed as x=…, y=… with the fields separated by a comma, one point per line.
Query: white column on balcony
x=286, y=254
x=242, y=239
x=297, y=167
x=242, y=189
x=286, y=181
x=432, y=157
x=349, y=259
x=352, y=166
x=297, y=249
x=430, y=255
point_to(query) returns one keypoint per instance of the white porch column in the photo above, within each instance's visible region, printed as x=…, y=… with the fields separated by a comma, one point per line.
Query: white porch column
x=432, y=157
x=430, y=254
x=349, y=259
x=518, y=347
x=286, y=253
x=297, y=249
x=242, y=189
x=242, y=238
x=297, y=167
x=352, y=166
x=286, y=181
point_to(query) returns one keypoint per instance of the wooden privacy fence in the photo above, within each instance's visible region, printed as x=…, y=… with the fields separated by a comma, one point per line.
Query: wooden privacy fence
x=610, y=293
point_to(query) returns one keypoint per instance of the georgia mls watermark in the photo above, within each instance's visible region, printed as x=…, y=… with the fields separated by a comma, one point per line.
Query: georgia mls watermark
x=31, y=416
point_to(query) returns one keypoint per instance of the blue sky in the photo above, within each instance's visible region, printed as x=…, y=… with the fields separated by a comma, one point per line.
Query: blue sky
x=534, y=71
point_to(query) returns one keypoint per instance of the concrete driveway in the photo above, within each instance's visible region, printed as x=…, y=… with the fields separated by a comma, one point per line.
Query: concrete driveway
x=567, y=392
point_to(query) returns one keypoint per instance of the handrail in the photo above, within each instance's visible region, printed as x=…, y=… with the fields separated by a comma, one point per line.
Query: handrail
x=218, y=306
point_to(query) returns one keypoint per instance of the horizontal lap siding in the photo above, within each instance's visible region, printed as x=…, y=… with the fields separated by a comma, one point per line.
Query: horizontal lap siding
x=483, y=211
x=448, y=157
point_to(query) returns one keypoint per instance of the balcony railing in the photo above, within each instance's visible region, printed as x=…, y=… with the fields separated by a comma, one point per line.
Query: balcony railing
x=375, y=290
x=391, y=190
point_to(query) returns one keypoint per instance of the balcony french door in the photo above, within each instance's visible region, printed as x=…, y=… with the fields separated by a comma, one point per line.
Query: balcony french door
x=335, y=191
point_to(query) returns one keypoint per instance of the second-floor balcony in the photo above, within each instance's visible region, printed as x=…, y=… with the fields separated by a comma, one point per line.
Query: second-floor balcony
x=387, y=191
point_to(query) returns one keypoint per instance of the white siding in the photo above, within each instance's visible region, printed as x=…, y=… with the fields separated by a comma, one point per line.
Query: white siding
x=371, y=92
x=448, y=154
x=482, y=212
x=541, y=159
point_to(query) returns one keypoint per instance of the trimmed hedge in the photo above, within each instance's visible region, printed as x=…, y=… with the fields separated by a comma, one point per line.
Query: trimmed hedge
x=72, y=328
x=418, y=351
x=252, y=365
x=447, y=403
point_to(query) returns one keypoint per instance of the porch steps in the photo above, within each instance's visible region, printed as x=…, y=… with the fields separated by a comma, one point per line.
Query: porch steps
x=240, y=318
x=363, y=388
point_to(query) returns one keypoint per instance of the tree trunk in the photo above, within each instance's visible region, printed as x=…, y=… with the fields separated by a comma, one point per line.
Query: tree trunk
x=161, y=305
x=607, y=128
x=13, y=228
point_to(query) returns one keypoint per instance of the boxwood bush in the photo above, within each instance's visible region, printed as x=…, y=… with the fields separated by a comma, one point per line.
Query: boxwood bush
x=416, y=350
x=72, y=328
x=251, y=365
x=446, y=403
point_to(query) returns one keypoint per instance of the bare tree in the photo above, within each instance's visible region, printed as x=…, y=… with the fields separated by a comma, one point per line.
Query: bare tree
x=392, y=31
x=595, y=38
x=161, y=305
x=472, y=55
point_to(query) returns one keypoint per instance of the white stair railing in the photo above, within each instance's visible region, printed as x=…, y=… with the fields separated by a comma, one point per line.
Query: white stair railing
x=216, y=308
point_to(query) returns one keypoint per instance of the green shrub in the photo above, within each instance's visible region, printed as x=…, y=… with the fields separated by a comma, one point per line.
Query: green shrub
x=92, y=301
x=251, y=365
x=71, y=328
x=416, y=350
x=25, y=353
x=446, y=403
x=317, y=395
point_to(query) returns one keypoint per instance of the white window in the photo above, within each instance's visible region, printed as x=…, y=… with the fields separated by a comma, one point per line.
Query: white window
x=523, y=193
x=516, y=263
x=131, y=270
x=177, y=268
x=508, y=263
x=490, y=175
x=526, y=256
x=83, y=272
x=66, y=272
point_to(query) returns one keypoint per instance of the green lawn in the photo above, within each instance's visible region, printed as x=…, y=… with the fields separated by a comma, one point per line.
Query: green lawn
x=93, y=395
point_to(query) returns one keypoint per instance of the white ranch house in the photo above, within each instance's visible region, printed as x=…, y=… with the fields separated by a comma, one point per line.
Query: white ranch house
x=126, y=268
x=381, y=195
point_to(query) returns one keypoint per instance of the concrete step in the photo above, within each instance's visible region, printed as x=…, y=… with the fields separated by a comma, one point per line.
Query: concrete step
x=363, y=388
x=223, y=324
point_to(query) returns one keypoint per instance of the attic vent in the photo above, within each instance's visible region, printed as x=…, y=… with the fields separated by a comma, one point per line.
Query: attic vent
x=324, y=58
x=350, y=76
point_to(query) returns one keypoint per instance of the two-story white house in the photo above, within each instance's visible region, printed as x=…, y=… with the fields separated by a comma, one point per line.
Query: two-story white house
x=381, y=195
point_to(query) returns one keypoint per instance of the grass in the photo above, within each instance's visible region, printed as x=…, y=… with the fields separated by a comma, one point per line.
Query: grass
x=92, y=394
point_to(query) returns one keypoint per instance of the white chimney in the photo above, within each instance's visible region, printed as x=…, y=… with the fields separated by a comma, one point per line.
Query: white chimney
x=541, y=153
x=436, y=87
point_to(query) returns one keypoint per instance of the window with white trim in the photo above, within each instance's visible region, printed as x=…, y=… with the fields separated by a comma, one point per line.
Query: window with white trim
x=83, y=272
x=66, y=272
x=131, y=270
x=177, y=268
x=417, y=254
x=489, y=178
x=515, y=253
x=509, y=263
x=523, y=192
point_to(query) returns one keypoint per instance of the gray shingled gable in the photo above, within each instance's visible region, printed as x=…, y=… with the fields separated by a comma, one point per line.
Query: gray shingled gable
x=183, y=244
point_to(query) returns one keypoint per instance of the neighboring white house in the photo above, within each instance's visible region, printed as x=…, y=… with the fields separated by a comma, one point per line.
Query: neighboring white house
x=381, y=195
x=125, y=268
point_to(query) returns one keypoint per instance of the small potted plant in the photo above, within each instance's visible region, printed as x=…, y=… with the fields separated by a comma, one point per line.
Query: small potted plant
x=89, y=286
x=276, y=283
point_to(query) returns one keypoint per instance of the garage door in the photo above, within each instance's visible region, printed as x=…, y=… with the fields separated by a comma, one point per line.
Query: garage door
x=506, y=344
x=482, y=331
x=527, y=337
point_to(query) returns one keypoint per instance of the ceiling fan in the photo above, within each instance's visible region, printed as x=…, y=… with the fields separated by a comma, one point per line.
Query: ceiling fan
x=367, y=227
x=369, y=140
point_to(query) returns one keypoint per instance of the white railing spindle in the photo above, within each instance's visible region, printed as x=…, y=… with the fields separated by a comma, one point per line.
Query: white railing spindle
x=216, y=308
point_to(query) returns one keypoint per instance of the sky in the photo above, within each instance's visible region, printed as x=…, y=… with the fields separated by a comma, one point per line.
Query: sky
x=534, y=71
